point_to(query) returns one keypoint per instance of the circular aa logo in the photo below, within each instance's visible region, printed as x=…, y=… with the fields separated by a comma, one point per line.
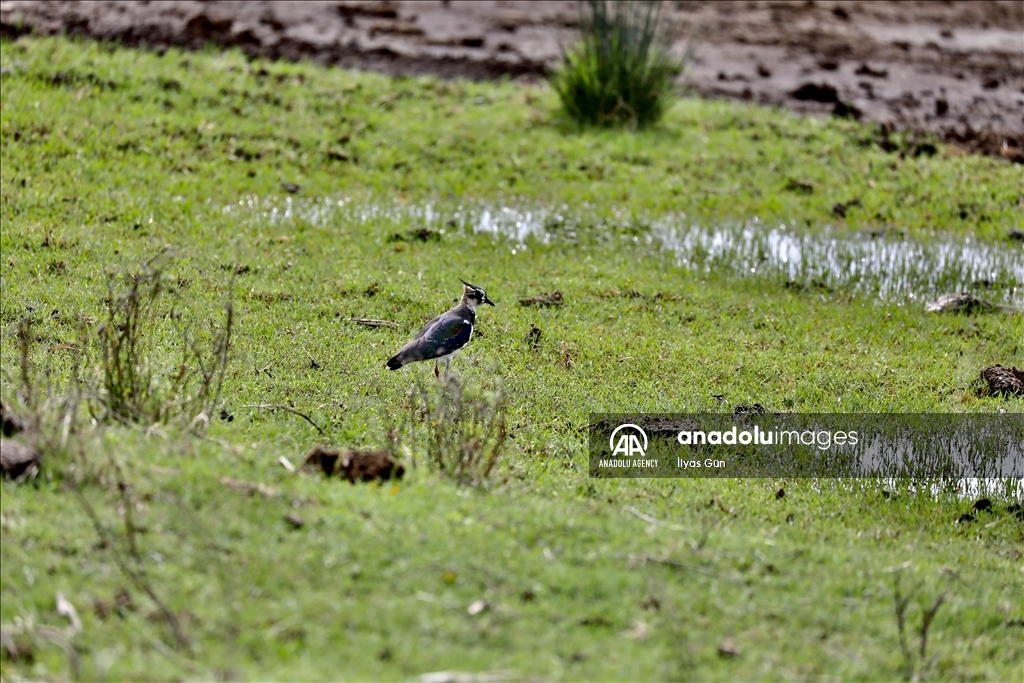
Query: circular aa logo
x=628, y=442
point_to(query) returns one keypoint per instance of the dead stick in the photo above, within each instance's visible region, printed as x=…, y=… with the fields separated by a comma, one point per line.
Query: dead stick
x=281, y=406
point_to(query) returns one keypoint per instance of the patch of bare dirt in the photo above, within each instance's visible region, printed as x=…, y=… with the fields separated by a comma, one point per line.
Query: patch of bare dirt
x=954, y=69
x=554, y=298
x=356, y=466
x=18, y=460
x=1004, y=381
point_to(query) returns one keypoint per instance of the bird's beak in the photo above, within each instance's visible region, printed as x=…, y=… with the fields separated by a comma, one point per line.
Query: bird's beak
x=488, y=301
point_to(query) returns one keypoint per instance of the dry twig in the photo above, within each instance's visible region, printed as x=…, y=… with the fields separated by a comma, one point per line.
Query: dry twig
x=281, y=406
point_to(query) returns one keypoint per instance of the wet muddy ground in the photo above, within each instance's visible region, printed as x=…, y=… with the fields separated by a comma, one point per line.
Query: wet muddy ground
x=955, y=69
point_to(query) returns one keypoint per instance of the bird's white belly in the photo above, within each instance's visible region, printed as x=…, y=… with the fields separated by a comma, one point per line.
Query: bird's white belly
x=447, y=357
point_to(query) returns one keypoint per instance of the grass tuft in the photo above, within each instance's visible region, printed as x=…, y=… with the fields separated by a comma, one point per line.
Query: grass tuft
x=136, y=388
x=463, y=428
x=621, y=72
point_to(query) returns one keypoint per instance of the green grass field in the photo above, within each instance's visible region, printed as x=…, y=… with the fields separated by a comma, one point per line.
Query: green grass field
x=111, y=156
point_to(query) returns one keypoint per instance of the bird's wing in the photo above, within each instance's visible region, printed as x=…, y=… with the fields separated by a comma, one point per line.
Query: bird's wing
x=427, y=327
x=446, y=333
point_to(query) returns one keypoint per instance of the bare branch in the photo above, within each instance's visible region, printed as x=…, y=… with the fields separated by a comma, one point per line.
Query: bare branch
x=651, y=520
x=926, y=622
x=281, y=406
x=370, y=322
x=136, y=574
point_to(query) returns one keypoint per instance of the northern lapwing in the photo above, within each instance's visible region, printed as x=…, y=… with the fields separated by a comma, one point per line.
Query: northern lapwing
x=445, y=335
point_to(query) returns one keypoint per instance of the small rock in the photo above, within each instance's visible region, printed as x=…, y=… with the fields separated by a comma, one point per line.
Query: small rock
x=477, y=607
x=294, y=521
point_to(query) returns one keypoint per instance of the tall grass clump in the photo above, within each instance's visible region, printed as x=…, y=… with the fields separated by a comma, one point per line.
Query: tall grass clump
x=621, y=71
x=142, y=385
x=462, y=429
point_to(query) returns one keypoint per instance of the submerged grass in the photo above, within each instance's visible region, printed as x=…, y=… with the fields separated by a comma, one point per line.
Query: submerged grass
x=109, y=155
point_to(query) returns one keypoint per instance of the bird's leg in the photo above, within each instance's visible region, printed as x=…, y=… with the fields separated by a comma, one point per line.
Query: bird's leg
x=437, y=369
x=447, y=367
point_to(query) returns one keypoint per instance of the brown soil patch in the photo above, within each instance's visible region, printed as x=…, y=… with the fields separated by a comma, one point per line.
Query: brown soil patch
x=353, y=465
x=953, y=69
x=18, y=460
x=554, y=298
x=1004, y=381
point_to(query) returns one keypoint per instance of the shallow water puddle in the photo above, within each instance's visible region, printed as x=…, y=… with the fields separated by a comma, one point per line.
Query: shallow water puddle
x=885, y=265
x=889, y=267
